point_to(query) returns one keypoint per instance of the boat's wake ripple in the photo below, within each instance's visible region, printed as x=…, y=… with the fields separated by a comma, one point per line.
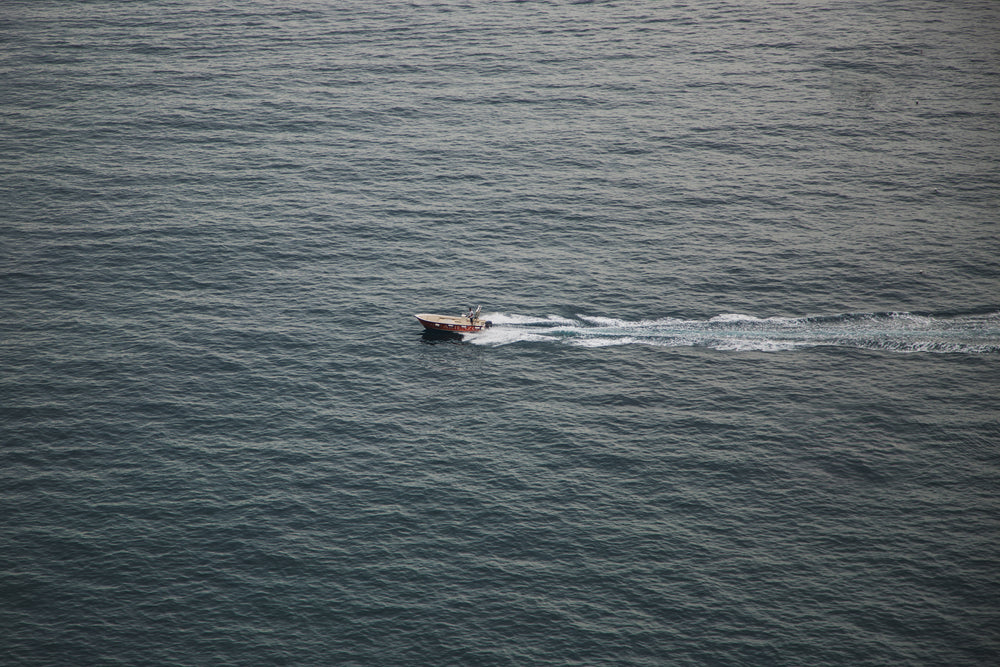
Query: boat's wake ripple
x=900, y=332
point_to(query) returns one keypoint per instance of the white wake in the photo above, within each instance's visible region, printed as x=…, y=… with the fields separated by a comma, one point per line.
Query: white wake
x=895, y=331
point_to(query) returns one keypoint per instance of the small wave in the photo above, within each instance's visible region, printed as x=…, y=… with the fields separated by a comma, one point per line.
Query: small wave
x=890, y=331
x=504, y=318
x=735, y=317
x=504, y=335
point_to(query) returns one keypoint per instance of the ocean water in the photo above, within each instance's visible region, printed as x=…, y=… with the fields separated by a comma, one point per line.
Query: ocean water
x=739, y=405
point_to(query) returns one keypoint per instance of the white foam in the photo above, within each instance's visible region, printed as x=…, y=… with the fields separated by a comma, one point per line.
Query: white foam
x=606, y=321
x=505, y=318
x=735, y=317
x=900, y=332
x=910, y=318
x=756, y=345
x=499, y=335
x=630, y=324
x=601, y=341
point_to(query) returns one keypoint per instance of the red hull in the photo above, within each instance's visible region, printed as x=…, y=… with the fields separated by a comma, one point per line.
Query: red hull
x=452, y=324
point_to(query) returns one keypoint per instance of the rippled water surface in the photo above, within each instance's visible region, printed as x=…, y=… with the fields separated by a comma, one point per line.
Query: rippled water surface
x=738, y=404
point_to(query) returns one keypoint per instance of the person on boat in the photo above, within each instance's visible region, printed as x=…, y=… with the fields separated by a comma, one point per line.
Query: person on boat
x=471, y=315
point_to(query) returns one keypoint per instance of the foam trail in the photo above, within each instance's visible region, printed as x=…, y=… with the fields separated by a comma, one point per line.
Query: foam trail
x=504, y=318
x=894, y=331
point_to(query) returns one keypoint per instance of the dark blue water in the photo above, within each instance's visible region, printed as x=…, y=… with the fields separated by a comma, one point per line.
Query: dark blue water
x=739, y=405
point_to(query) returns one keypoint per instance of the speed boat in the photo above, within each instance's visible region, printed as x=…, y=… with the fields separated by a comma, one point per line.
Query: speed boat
x=468, y=323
